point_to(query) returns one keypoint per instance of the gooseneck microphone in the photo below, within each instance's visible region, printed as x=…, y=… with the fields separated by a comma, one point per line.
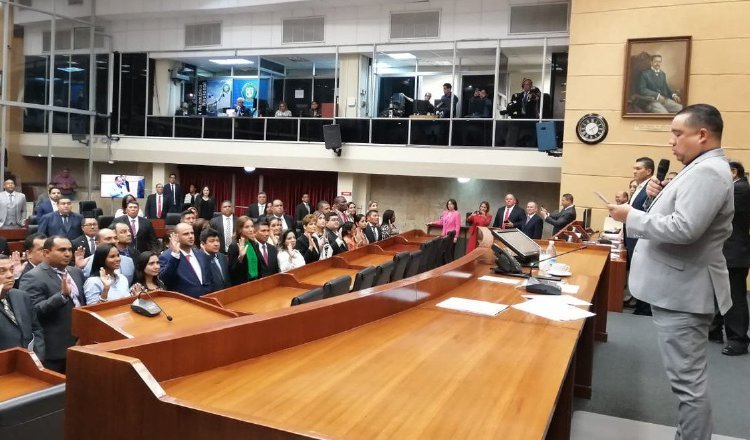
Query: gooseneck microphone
x=148, y=307
x=661, y=174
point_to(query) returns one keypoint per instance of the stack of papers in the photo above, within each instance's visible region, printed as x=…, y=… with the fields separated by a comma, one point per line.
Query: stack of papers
x=472, y=306
x=555, y=308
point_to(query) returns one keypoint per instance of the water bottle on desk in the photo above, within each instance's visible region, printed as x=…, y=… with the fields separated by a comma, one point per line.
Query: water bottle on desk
x=547, y=258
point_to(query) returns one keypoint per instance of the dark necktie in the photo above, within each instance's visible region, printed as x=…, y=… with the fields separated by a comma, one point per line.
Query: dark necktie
x=8, y=312
x=265, y=254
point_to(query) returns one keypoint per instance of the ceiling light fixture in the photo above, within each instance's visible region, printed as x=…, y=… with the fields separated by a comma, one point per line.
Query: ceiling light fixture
x=464, y=179
x=402, y=56
x=231, y=61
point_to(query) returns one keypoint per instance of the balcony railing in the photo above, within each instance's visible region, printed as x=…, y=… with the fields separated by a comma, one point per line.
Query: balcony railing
x=466, y=132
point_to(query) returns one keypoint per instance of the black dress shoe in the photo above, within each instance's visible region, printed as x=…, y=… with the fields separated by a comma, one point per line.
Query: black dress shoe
x=717, y=337
x=733, y=351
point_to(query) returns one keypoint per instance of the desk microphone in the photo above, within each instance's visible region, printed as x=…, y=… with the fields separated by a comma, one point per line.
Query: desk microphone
x=661, y=174
x=148, y=307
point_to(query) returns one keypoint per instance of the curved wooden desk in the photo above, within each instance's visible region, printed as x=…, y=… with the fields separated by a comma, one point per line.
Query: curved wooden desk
x=113, y=320
x=384, y=362
x=276, y=292
x=22, y=373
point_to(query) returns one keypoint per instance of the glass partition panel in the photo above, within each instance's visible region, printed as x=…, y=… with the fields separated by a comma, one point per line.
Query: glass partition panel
x=476, y=74
x=435, y=69
x=250, y=129
x=298, y=80
x=524, y=100
x=132, y=105
x=160, y=126
x=396, y=83
x=281, y=129
x=188, y=126
x=216, y=128
x=355, y=130
x=311, y=130
x=390, y=131
x=472, y=133
x=429, y=131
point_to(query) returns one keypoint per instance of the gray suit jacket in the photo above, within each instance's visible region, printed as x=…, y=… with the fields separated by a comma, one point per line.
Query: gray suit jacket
x=53, y=311
x=19, y=203
x=678, y=262
x=28, y=327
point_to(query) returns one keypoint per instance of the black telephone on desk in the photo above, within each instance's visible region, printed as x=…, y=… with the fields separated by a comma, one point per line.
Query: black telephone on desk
x=506, y=263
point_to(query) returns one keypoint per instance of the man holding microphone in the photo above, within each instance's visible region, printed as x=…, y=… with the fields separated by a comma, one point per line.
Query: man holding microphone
x=678, y=265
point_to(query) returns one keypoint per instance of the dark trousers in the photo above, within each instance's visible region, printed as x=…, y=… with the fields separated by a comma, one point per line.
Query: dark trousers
x=57, y=365
x=736, y=321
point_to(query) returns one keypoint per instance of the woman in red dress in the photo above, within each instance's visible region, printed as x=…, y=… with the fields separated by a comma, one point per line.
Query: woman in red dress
x=477, y=218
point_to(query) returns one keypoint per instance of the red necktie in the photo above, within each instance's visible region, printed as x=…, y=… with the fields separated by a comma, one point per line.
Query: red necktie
x=505, y=218
x=158, y=206
x=265, y=254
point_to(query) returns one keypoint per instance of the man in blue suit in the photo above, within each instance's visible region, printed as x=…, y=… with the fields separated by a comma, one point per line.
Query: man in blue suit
x=183, y=268
x=532, y=224
x=643, y=170
x=50, y=204
x=652, y=86
x=210, y=246
x=63, y=222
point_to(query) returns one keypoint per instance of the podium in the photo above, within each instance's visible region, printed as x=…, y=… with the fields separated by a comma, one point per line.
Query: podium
x=113, y=320
x=31, y=397
x=387, y=363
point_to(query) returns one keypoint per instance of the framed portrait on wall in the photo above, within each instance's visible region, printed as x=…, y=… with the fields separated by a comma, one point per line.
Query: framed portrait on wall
x=657, y=71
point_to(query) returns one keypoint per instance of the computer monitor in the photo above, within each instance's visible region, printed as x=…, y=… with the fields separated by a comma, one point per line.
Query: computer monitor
x=421, y=107
x=526, y=249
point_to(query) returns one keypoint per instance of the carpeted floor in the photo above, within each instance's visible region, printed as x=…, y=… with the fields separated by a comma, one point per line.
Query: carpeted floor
x=629, y=380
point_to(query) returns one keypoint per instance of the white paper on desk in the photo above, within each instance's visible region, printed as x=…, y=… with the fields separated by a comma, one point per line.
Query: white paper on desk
x=565, y=299
x=553, y=310
x=472, y=306
x=502, y=280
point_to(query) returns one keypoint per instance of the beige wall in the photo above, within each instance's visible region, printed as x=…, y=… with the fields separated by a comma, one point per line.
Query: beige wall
x=419, y=200
x=719, y=72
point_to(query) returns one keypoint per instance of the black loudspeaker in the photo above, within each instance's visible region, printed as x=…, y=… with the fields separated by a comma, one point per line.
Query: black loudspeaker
x=332, y=138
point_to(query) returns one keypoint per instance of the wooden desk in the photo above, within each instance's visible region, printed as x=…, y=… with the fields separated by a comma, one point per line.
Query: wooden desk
x=14, y=234
x=371, y=260
x=396, y=248
x=322, y=277
x=338, y=368
x=21, y=373
x=115, y=320
x=263, y=295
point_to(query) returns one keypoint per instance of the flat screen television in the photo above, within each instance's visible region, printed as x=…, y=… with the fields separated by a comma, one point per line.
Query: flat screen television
x=120, y=185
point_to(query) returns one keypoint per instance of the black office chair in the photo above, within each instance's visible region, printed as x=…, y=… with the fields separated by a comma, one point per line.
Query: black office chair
x=337, y=286
x=364, y=279
x=429, y=249
x=401, y=260
x=86, y=208
x=105, y=220
x=383, y=273
x=415, y=258
x=309, y=296
x=33, y=220
x=172, y=218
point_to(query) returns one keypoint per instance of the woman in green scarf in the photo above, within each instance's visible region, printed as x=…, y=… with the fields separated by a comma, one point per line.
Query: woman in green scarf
x=243, y=255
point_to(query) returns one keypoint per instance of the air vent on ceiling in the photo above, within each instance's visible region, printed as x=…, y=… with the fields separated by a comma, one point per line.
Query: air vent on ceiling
x=551, y=17
x=303, y=30
x=410, y=25
x=202, y=34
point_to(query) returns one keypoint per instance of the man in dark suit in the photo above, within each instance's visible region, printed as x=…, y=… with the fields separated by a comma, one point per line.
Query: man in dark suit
x=303, y=208
x=643, y=170
x=158, y=204
x=123, y=241
x=532, y=224
x=210, y=244
x=182, y=268
x=737, y=253
x=55, y=289
x=560, y=219
x=49, y=204
x=63, y=222
x=240, y=110
x=652, y=86
x=34, y=246
x=224, y=225
x=278, y=212
x=143, y=233
x=509, y=216
x=332, y=233
x=258, y=209
x=269, y=263
x=373, y=231
x=173, y=193
x=19, y=326
x=87, y=241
